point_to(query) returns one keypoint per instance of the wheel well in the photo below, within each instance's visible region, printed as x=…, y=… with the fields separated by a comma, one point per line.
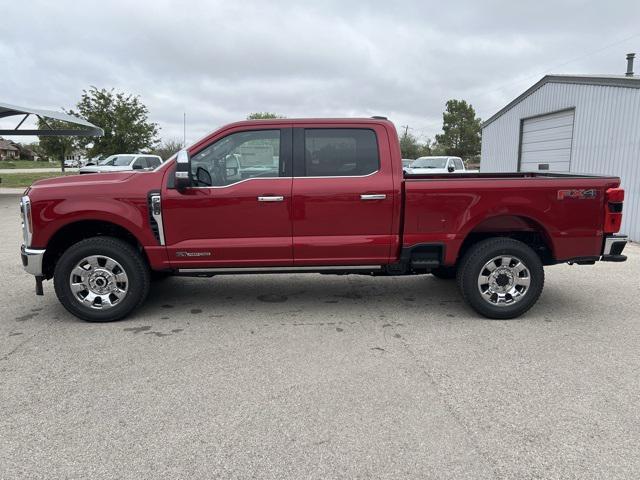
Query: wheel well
x=519, y=228
x=77, y=231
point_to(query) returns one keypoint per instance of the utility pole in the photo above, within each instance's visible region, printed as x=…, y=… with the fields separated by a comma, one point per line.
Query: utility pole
x=184, y=130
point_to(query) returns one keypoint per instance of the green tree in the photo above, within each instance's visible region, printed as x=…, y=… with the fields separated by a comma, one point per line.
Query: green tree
x=51, y=148
x=410, y=147
x=168, y=148
x=263, y=116
x=124, y=119
x=461, y=131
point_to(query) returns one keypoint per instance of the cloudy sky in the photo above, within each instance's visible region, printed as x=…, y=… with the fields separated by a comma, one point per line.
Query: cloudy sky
x=220, y=60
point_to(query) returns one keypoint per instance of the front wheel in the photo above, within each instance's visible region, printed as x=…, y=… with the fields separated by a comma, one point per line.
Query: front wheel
x=501, y=278
x=101, y=279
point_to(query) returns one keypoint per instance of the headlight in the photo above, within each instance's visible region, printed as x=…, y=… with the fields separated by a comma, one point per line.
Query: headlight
x=27, y=221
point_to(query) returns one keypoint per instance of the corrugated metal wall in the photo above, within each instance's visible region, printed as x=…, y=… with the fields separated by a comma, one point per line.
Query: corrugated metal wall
x=606, y=136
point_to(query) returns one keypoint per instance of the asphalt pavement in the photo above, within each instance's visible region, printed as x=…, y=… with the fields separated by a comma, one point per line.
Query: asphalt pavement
x=321, y=377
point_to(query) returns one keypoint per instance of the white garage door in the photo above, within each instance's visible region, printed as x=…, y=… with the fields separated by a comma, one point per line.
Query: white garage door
x=546, y=142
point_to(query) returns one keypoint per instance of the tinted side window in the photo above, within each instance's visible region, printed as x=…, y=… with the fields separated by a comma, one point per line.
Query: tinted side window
x=458, y=163
x=237, y=157
x=141, y=162
x=153, y=162
x=340, y=152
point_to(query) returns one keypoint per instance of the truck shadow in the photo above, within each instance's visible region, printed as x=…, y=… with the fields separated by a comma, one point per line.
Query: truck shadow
x=312, y=295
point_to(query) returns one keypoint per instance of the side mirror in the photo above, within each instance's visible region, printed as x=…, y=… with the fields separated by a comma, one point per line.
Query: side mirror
x=137, y=166
x=451, y=169
x=183, y=167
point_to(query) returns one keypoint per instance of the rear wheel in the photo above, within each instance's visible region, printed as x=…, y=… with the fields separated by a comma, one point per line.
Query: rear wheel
x=501, y=278
x=101, y=279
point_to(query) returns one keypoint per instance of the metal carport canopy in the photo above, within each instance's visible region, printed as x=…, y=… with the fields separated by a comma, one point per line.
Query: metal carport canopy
x=88, y=130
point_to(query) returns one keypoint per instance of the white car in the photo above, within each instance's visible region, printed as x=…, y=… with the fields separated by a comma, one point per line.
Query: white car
x=124, y=162
x=427, y=165
x=68, y=163
x=406, y=164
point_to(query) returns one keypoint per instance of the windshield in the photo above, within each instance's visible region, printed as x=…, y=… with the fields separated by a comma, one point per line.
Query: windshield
x=434, y=162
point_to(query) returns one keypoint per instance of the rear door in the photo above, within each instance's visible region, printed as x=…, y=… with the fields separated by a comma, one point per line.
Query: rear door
x=343, y=196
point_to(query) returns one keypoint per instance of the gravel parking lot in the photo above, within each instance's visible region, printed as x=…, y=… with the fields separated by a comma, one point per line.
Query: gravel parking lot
x=313, y=376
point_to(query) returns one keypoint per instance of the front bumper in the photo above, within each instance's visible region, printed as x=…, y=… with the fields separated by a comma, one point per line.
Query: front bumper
x=613, y=247
x=32, y=260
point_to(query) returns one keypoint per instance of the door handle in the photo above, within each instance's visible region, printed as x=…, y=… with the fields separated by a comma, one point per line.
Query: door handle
x=373, y=196
x=271, y=199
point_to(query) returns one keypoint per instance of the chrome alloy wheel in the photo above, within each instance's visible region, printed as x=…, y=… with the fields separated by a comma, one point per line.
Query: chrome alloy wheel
x=504, y=280
x=99, y=282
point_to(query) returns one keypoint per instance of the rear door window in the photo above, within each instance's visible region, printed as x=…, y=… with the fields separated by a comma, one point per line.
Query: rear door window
x=141, y=162
x=153, y=162
x=340, y=152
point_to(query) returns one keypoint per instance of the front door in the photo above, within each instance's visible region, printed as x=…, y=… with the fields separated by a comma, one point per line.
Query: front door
x=343, y=196
x=237, y=212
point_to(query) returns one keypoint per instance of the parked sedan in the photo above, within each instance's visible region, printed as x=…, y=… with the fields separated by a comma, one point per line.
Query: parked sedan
x=69, y=163
x=123, y=162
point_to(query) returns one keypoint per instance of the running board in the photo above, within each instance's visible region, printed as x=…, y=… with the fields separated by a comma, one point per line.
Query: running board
x=305, y=269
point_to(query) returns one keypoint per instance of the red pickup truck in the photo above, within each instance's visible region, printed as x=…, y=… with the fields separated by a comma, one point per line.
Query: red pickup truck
x=312, y=195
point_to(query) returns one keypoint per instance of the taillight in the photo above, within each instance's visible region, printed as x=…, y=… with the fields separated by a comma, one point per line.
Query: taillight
x=613, y=210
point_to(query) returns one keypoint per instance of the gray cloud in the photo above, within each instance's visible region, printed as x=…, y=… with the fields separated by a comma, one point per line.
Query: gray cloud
x=220, y=60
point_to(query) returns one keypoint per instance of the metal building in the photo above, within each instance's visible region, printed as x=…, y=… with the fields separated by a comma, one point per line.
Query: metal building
x=573, y=123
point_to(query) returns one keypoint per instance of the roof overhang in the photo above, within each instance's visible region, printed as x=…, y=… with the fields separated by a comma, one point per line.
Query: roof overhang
x=604, y=80
x=78, y=126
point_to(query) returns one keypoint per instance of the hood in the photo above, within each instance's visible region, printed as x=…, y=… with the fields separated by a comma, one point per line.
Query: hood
x=82, y=180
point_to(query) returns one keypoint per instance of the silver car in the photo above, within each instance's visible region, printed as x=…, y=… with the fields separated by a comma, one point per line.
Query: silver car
x=124, y=162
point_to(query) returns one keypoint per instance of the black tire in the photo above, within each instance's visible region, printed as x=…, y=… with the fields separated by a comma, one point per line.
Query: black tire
x=472, y=266
x=125, y=255
x=444, y=273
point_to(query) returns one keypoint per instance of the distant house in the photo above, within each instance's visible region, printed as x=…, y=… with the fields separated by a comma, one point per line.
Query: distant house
x=25, y=153
x=8, y=151
x=79, y=156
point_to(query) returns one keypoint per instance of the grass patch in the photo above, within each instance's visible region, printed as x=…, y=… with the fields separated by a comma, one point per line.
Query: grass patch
x=9, y=164
x=18, y=180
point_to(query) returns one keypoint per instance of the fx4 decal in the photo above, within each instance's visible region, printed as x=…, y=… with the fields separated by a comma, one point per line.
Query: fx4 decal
x=577, y=194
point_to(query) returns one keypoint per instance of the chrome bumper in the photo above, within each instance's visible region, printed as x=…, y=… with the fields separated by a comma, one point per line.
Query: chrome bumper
x=32, y=260
x=613, y=247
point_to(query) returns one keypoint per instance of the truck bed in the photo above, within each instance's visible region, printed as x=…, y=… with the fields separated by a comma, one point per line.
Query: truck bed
x=566, y=210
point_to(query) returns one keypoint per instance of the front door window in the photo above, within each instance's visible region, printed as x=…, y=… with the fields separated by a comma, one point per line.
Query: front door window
x=237, y=157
